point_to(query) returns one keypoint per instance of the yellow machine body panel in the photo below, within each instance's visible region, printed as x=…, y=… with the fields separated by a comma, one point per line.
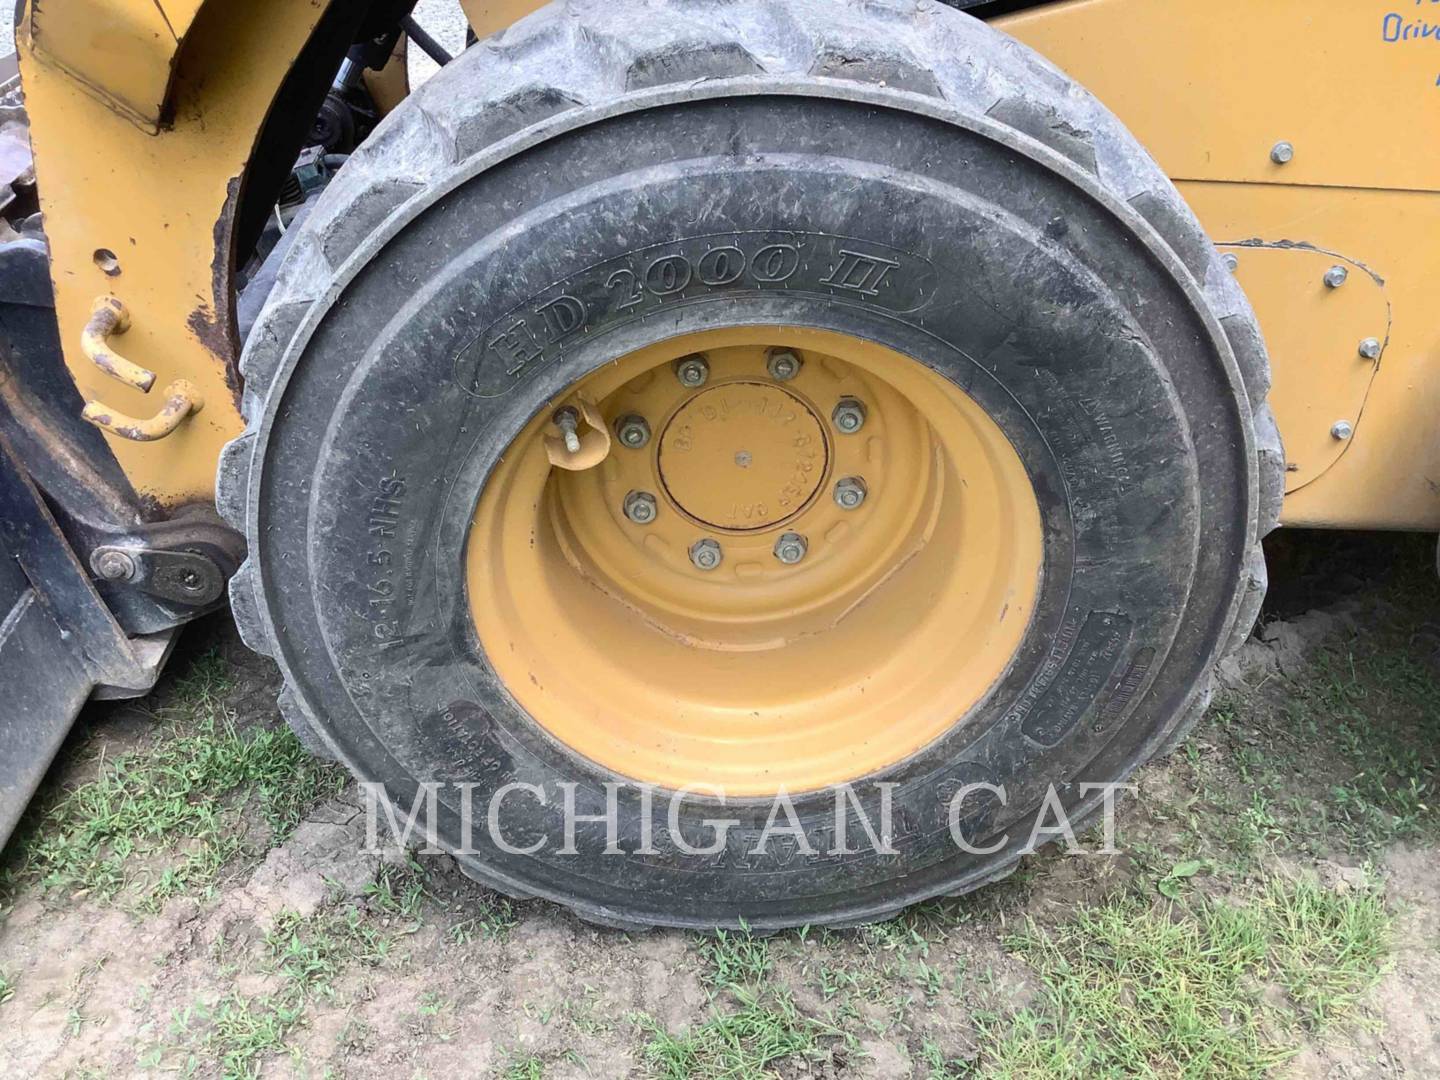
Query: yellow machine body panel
x=488, y=17
x=143, y=125
x=124, y=53
x=1212, y=88
x=1387, y=474
x=1313, y=409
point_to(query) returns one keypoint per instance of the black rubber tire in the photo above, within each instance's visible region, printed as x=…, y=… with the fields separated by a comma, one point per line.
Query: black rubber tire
x=1042, y=261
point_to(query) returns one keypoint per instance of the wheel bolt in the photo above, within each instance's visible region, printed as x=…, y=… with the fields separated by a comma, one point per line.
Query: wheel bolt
x=706, y=554
x=632, y=431
x=1341, y=430
x=565, y=419
x=1336, y=276
x=1370, y=348
x=783, y=366
x=1282, y=153
x=791, y=548
x=849, y=416
x=692, y=371
x=850, y=492
x=640, y=507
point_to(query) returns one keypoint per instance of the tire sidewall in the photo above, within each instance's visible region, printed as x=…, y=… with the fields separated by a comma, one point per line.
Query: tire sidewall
x=405, y=682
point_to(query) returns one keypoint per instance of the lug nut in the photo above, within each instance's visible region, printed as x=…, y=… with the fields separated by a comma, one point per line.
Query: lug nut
x=632, y=431
x=692, y=371
x=783, y=366
x=1342, y=430
x=640, y=507
x=114, y=566
x=849, y=415
x=1336, y=276
x=850, y=492
x=791, y=548
x=705, y=554
x=1370, y=348
x=565, y=419
x=1282, y=153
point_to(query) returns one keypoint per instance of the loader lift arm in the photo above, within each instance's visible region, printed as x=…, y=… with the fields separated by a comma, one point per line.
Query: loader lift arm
x=162, y=138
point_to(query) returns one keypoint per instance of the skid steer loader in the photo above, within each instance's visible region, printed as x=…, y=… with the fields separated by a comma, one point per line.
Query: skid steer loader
x=676, y=410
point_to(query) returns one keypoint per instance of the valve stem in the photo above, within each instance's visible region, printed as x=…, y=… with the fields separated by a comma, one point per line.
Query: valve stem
x=565, y=419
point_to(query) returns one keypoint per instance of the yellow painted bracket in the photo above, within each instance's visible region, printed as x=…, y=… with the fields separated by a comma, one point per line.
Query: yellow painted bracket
x=488, y=17
x=182, y=399
x=109, y=316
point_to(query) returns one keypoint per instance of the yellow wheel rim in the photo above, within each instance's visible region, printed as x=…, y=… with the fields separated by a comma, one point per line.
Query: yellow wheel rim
x=832, y=639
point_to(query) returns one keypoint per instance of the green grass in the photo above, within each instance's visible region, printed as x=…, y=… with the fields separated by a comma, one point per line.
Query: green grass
x=937, y=1066
x=753, y=1022
x=175, y=806
x=1344, y=757
x=743, y=1042
x=1143, y=988
x=493, y=917
x=1326, y=951
x=310, y=953
x=236, y=1033
x=736, y=959
x=7, y=988
x=523, y=1066
x=1383, y=720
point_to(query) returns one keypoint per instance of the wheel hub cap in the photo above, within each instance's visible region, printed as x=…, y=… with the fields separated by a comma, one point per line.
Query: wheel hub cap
x=743, y=456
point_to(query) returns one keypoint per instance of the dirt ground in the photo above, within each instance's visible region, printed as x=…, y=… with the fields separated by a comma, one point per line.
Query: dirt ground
x=189, y=895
